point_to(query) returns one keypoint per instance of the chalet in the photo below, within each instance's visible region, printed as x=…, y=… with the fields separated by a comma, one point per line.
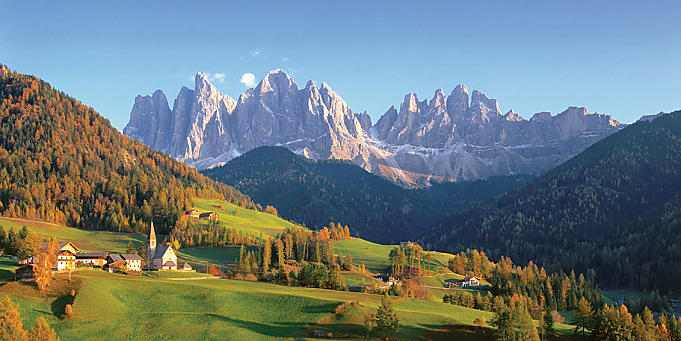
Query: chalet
x=25, y=273
x=63, y=246
x=66, y=260
x=208, y=216
x=97, y=259
x=186, y=267
x=162, y=258
x=192, y=213
x=389, y=280
x=132, y=262
x=114, y=263
x=470, y=282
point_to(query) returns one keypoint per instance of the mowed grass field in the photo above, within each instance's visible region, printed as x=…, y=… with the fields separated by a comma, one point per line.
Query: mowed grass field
x=86, y=240
x=248, y=221
x=141, y=308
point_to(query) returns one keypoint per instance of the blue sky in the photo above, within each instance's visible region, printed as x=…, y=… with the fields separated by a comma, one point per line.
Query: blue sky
x=617, y=57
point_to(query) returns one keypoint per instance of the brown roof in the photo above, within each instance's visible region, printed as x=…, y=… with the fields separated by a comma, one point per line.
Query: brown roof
x=169, y=263
x=130, y=256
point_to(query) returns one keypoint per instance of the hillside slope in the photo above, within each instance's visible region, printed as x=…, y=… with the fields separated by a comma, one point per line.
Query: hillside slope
x=60, y=161
x=316, y=192
x=616, y=208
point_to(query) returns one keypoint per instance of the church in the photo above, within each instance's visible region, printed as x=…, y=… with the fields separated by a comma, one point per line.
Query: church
x=162, y=258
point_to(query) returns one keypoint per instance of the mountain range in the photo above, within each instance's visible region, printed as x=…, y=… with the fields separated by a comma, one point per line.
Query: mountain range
x=463, y=136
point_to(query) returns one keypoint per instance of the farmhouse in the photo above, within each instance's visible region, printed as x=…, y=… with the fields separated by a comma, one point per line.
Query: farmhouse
x=194, y=213
x=94, y=258
x=186, y=267
x=66, y=260
x=208, y=216
x=162, y=258
x=63, y=246
x=132, y=262
x=389, y=280
x=114, y=263
x=25, y=273
x=470, y=282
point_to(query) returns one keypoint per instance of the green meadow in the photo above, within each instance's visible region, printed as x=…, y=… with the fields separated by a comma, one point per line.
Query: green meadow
x=142, y=308
x=86, y=240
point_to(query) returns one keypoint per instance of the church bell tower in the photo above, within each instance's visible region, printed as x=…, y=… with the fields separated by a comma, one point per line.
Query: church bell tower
x=151, y=250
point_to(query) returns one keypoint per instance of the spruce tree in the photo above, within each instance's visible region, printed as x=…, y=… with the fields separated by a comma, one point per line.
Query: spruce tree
x=386, y=318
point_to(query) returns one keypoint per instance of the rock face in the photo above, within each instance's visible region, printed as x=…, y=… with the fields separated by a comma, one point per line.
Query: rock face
x=462, y=136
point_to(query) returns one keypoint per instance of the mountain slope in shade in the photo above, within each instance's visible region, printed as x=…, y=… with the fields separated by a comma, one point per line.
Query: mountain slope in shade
x=317, y=192
x=616, y=208
x=462, y=136
x=60, y=161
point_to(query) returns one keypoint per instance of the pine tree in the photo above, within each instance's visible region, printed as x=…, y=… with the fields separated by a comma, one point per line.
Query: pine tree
x=130, y=249
x=547, y=325
x=386, y=318
x=584, y=315
x=267, y=255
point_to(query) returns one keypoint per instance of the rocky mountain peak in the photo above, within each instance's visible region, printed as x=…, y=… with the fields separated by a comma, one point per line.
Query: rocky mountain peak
x=410, y=104
x=455, y=137
x=457, y=102
x=276, y=80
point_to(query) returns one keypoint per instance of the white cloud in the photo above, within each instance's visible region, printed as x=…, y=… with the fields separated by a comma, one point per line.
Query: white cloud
x=219, y=76
x=248, y=79
x=255, y=53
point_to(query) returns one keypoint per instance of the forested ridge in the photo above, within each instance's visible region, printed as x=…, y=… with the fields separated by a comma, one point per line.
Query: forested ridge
x=62, y=162
x=315, y=192
x=615, y=208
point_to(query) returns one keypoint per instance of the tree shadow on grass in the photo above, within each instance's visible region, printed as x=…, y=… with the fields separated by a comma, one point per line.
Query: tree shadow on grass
x=59, y=305
x=274, y=329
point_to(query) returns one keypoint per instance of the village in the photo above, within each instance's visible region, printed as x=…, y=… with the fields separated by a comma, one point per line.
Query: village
x=70, y=258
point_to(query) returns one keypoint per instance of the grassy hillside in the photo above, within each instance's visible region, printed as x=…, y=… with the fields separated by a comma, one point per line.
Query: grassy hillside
x=141, y=308
x=86, y=240
x=246, y=220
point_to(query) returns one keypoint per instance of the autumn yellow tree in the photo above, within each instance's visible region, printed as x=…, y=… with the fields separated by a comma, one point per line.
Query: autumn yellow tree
x=44, y=263
x=10, y=322
x=42, y=331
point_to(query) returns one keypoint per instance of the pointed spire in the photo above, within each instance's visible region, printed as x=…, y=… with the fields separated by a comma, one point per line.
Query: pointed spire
x=152, y=233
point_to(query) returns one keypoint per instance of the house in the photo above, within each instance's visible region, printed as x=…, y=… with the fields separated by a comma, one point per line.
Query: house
x=25, y=273
x=132, y=262
x=162, y=258
x=470, y=282
x=95, y=258
x=63, y=246
x=192, y=213
x=389, y=280
x=66, y=261
x=114, y=263
x=186, y=267
x=208, y=216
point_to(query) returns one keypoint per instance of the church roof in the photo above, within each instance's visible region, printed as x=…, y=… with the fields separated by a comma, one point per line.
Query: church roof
x=162, y=250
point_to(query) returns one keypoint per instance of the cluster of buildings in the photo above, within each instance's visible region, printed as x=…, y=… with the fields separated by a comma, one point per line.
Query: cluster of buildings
x=194, y=213
x=69, y=257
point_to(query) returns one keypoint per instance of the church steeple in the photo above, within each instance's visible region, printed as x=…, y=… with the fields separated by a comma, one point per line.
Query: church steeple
x=152, y=243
